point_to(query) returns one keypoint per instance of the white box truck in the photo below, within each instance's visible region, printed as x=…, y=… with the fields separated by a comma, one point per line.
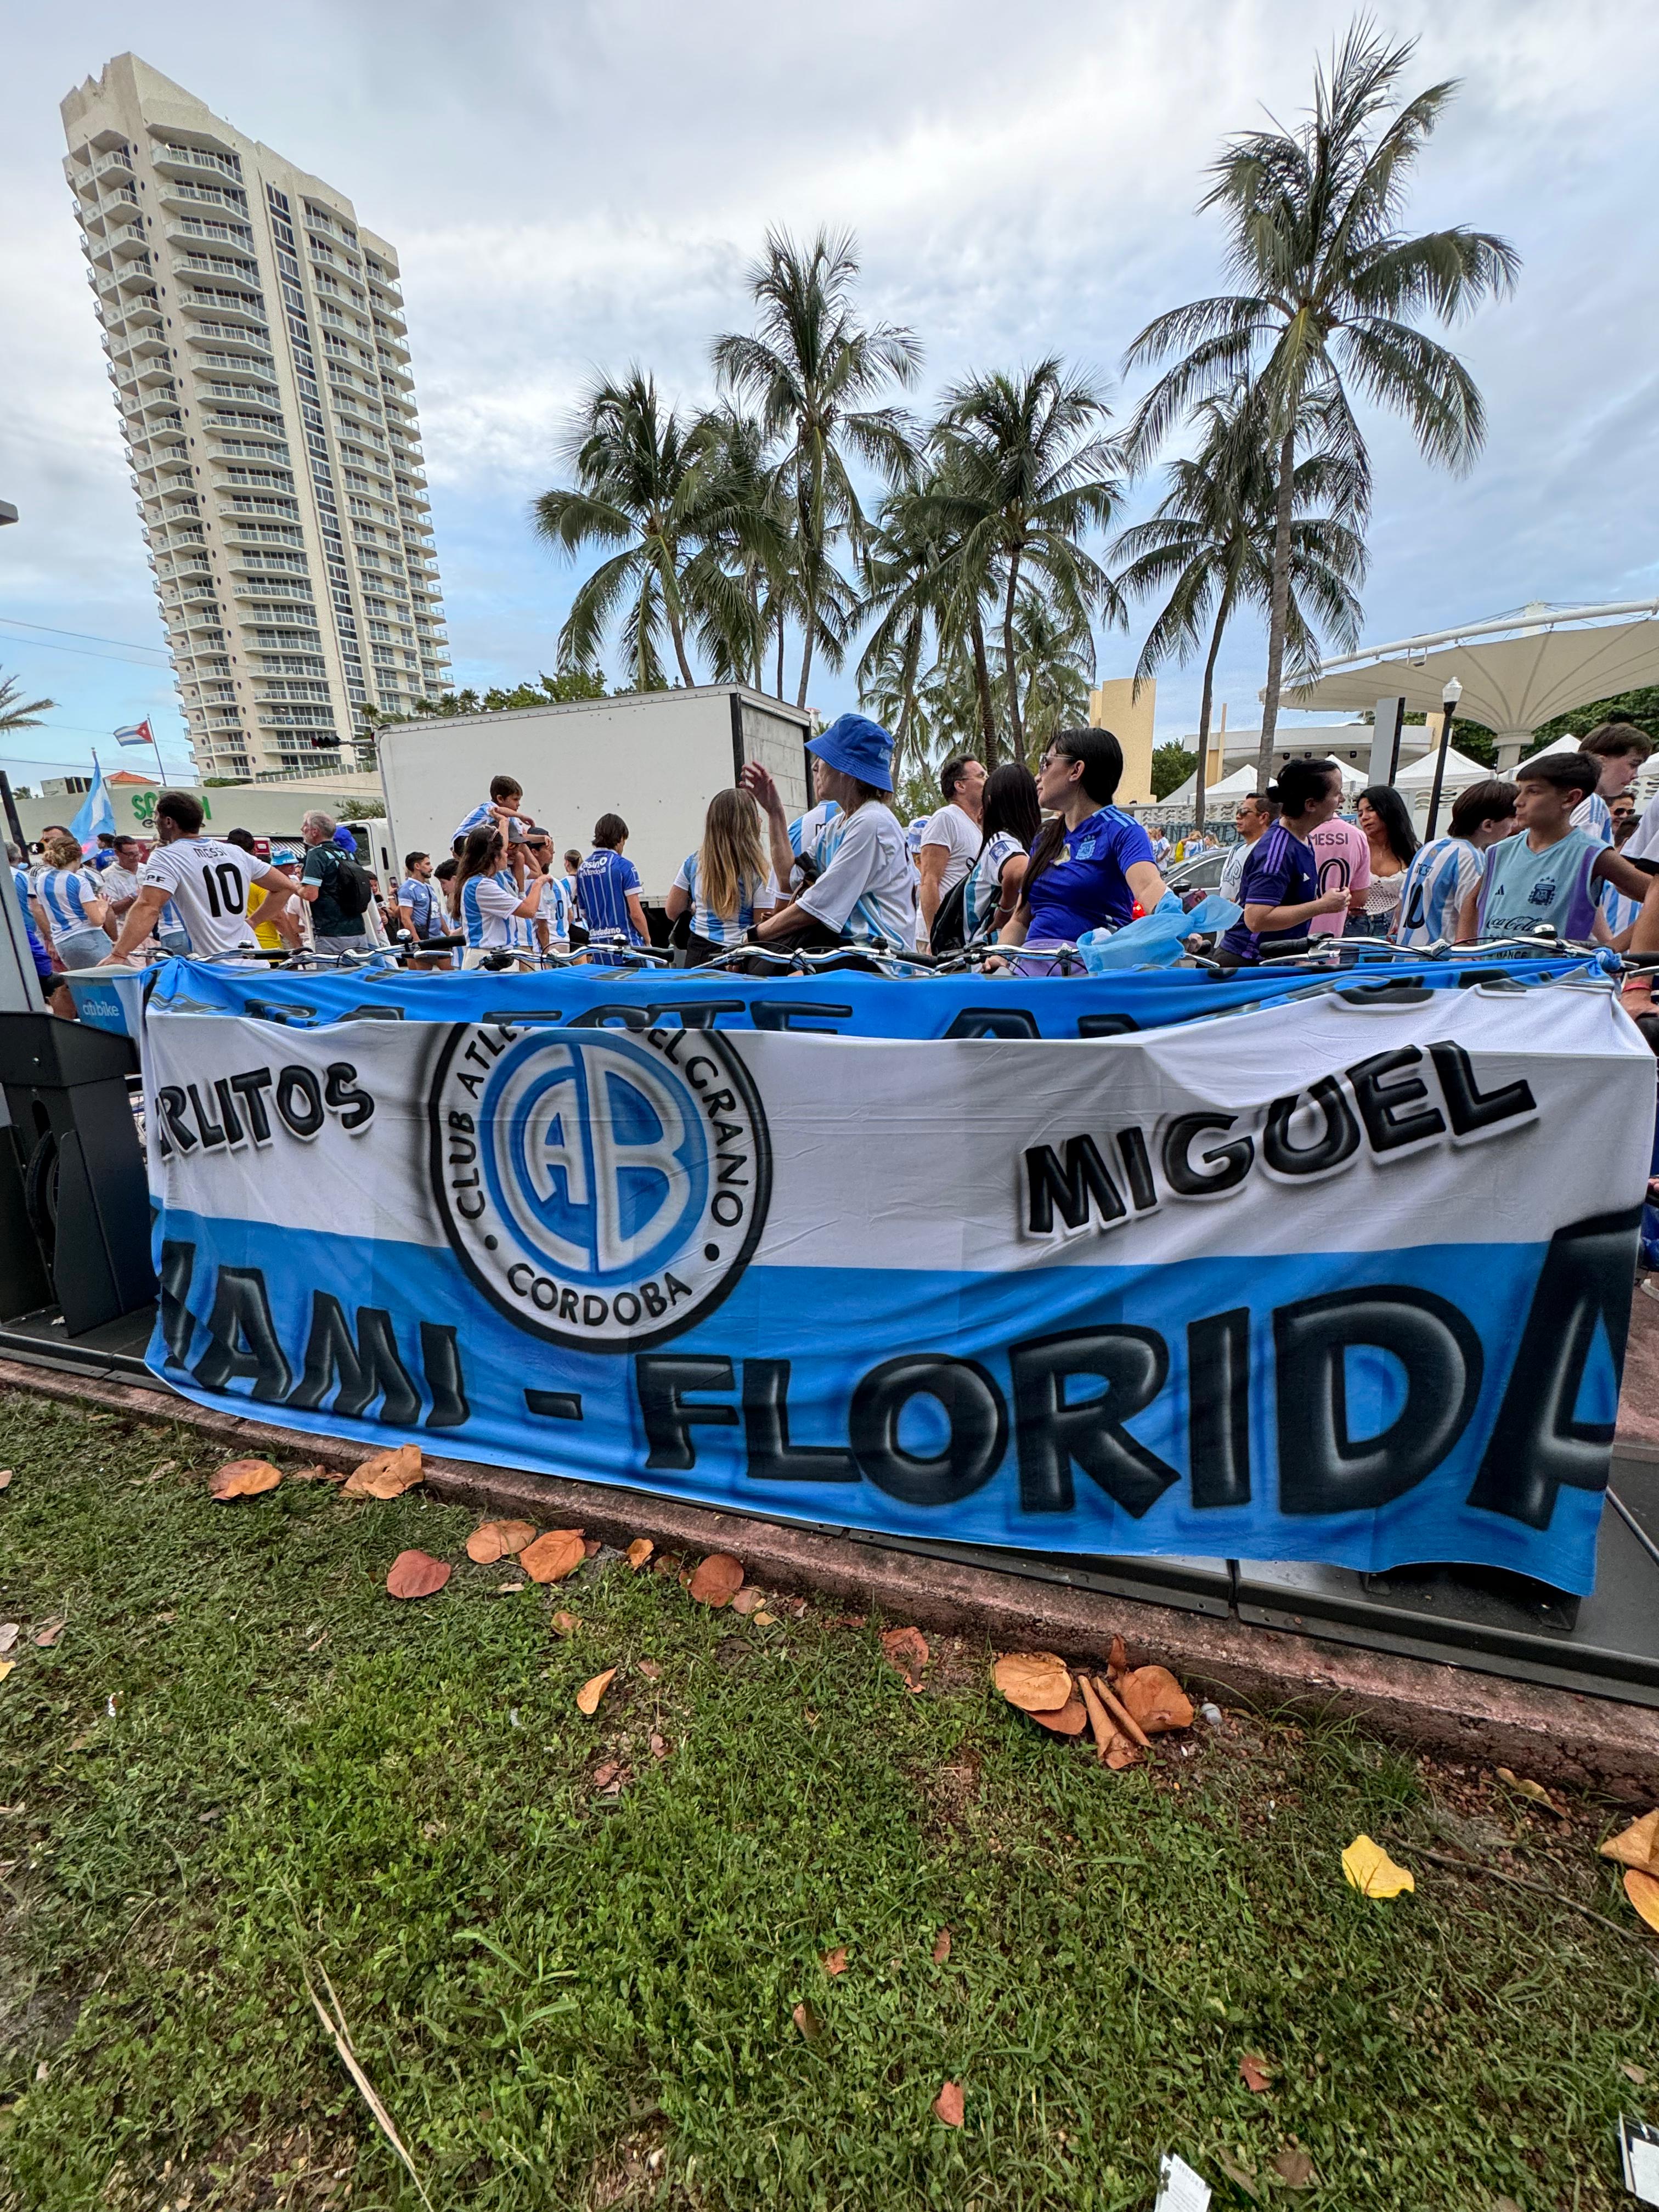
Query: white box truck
x=655, y=757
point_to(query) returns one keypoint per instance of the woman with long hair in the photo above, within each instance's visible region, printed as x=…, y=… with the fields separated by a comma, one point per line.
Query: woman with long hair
x=726, y=881
x=483, y=897
x=1093, y=864
x=68, y=893
x=1011, y=818
x=1279, y=889
x=1387, y=824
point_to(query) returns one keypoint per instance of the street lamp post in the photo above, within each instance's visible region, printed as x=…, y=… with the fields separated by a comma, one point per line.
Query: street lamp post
x=1450, y=692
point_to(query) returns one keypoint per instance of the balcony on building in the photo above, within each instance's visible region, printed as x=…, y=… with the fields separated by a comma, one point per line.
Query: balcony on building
x=181, y=152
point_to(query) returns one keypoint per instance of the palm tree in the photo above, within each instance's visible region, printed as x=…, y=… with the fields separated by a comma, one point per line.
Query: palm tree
x=17, y=713
x=1055, y=664
x=735, y=579
x=638, y=488
x=810, y=371
x=1032, y=473
x=1332, y=290
x=1210, y=546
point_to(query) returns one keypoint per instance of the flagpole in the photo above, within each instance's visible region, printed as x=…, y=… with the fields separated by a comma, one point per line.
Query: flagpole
x=160, y=773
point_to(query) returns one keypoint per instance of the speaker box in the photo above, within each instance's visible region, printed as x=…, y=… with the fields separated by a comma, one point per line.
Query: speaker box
x=73, y=1171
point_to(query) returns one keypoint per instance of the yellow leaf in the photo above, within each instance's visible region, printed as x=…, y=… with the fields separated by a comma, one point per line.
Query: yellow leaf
x=1643, y=1891
x=1372, y=1872
x=587, y=1697
x=6, y=1665
x=1637, y=1845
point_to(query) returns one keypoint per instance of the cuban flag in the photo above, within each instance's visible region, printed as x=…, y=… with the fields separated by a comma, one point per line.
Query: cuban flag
x=137, y=733
x=96, y=814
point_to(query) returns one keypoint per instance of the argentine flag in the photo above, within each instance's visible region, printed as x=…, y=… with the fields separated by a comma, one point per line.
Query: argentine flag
x=96, y=814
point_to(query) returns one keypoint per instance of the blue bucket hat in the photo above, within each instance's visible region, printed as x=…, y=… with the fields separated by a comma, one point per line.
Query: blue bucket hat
x=857, y=746
x=343, y=838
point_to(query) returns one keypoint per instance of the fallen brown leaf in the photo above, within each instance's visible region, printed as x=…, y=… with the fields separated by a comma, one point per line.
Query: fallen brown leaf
x=717, y=1581
x=1099, y=1726
x=807, y=2021
x=941, y=1946
x=1035, y=1681
x=499, y=1539
x=652, y=1670
x=1120, y=1753
x=564, y=1624
x=1637, y=1845
x=835, y=1962
x=505, y=1588
x=593, y=1547
x=639, y=1552
x=605, y=1777
x=554, y=1556
x=244, y=1478
x=1118, y=1660
x=748, y=1600
x=47, y=1633
x=417, y=1574
x=1636, y=2074
x=1256, y=2073
x=587, y=1697
x=1535, y=1792
x=665, y=1564
x=1124, y=1720
x=906, y=1651
x=1643, y=1891
x=318, y=1472
x=387, y=1475
x=1239, y=2176
x=762, y=1619
x=1294, y=2168
x=5, y=1477
x=1154, y=1698
x=10, y=1632
x=661, y=1747
x=947, y=2105
x=1071, y=1720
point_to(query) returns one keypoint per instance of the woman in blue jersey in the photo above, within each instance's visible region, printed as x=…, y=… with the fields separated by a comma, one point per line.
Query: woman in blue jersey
x=1445, y=873
x=1011, y=818
x=1091, y=866
x=483, y=897
x=726, y=881
x=68, y=897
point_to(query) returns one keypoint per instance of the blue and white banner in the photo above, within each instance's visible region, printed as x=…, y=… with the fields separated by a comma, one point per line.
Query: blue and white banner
x=1342, y=1277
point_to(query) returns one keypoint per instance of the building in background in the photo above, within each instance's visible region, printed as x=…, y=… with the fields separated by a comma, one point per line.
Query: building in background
x=256, y=340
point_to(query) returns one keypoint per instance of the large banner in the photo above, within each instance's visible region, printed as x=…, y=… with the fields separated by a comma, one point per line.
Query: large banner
x=1343, y=1277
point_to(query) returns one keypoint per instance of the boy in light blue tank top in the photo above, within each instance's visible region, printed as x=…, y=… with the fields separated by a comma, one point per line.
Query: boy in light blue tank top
x=1550, y=871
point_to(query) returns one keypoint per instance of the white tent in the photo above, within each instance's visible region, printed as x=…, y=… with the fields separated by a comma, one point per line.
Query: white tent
x=1460, y=772
x=1240, y=784
x=1518, y=670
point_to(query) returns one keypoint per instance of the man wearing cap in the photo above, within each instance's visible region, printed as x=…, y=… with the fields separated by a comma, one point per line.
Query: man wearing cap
x=866, y=889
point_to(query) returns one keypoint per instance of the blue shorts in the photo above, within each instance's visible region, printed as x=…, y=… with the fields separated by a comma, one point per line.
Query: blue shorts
x=42, y=960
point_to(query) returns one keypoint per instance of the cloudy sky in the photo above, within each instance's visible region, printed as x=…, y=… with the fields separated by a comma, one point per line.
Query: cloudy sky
x=575, y=187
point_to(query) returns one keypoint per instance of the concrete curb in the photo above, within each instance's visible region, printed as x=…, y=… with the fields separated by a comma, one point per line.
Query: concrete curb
x=1553, y=1734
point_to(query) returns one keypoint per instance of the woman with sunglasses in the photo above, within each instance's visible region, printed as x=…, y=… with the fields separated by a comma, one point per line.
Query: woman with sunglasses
x=1091, y=866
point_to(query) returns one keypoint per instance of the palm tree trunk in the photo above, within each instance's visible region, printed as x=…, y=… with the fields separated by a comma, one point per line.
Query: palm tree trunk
x=779, y=693
x=1204, y=705
x=811, y=548
x=987, y=713
x=671, y=607
x=1281, y=604
x=1017, y=744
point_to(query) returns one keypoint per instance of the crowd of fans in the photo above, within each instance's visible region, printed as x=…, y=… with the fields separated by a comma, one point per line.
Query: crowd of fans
x=1018, y=864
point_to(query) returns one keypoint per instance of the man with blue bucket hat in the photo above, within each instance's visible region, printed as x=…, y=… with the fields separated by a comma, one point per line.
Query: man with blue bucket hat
x=866, y=885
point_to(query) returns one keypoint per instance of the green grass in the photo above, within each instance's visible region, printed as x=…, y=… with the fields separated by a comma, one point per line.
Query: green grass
x=571, y=2000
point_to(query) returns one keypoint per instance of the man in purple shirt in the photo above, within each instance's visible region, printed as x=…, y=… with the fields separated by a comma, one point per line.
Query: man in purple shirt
x=1280, y=892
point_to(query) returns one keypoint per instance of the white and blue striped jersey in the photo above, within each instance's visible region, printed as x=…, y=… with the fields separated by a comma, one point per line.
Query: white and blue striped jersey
x=1439, y=879
x=716, y=927
x=485, y=815
x=1595, y=815
x=982, y=893
x=603, y=885
x=868, y=886
x=805, y=829
x=63, y=893
x=555, y=909
x=487, y=915
x=20, y=877
x=1618, y=911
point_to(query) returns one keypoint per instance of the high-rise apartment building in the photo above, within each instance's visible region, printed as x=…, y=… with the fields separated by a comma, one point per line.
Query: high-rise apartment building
x=256, y=345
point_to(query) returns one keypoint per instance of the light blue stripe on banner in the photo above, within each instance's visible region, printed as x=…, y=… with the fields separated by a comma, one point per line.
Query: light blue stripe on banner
x=757, y=1406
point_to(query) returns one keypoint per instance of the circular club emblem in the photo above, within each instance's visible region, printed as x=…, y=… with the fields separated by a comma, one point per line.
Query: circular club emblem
x=605, y=1188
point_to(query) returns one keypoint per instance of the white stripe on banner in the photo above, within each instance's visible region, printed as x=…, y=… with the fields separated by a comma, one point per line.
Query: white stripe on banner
x=1338, y=1280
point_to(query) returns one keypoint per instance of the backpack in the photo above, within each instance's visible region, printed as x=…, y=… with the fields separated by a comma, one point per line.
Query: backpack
x=349, y=884
x=949, y=931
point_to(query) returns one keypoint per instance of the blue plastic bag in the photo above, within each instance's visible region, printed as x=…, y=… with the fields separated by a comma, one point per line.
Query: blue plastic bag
x=1158, y=939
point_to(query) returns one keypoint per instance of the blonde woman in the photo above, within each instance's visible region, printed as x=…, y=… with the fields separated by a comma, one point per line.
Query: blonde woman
x=726, y=882
x=68, y=892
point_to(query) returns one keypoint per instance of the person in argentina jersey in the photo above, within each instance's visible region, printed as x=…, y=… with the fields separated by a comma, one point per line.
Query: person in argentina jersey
x=866, y=889
x=1279, y=890
x=806, y=829
x=1012, y=819
x=74, y=910
x=1618, y=911
x=1550, y=873
x=728, y=883
x=608, y=887
x=55, y=994
x=1093, y=864
x=1619, y=749
x=484, y=898
x=1444, y=873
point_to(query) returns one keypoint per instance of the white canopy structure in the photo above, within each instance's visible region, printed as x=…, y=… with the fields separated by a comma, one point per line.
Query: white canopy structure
x=1517, y=670
x=1460, y=772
